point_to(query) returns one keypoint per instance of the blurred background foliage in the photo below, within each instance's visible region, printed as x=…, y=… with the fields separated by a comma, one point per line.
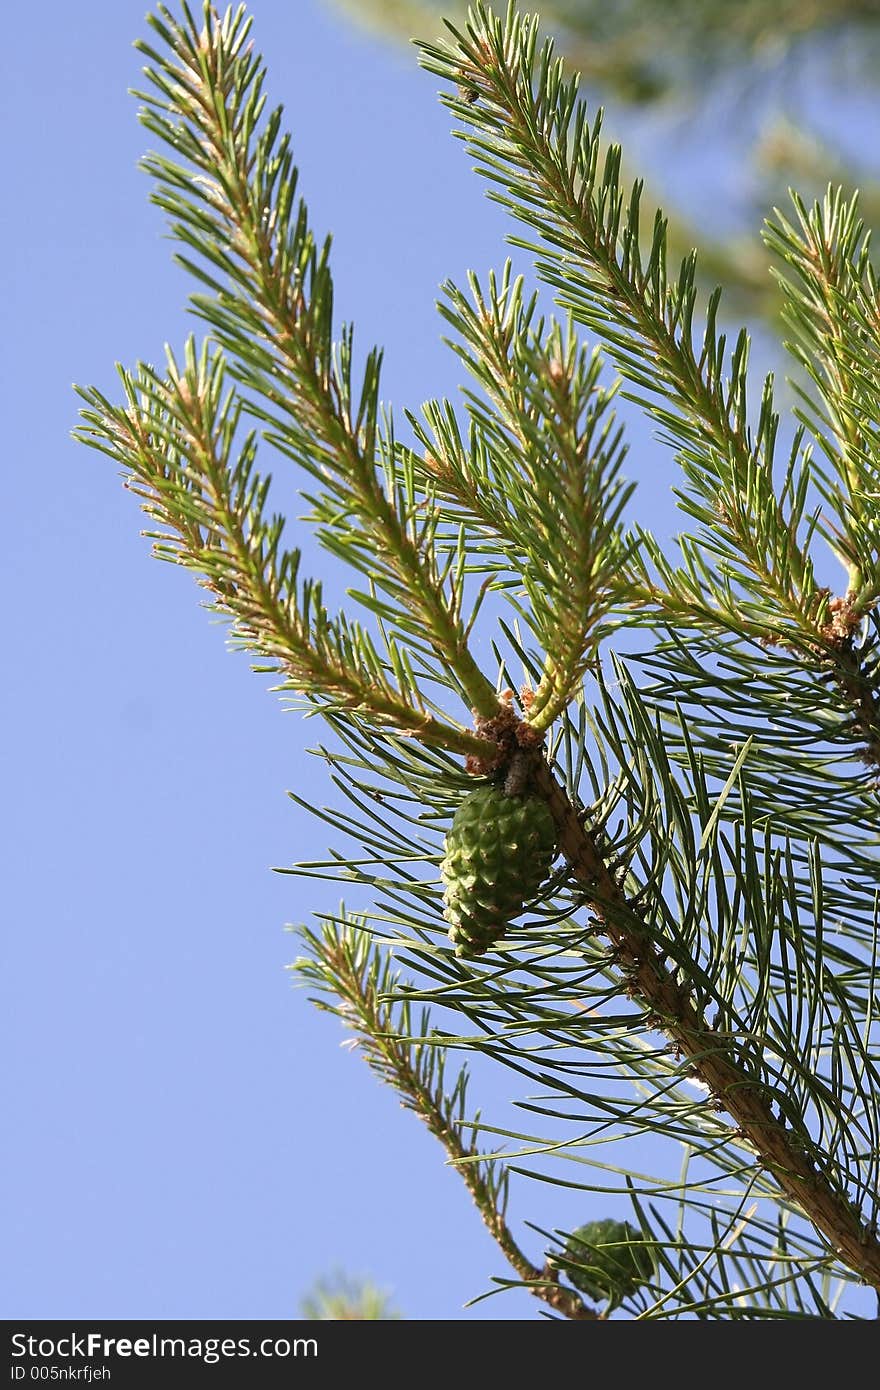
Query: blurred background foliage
x=722, y=106
x=341, y=1298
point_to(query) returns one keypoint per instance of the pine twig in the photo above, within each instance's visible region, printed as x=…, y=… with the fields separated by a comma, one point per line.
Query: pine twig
x=389, y=1054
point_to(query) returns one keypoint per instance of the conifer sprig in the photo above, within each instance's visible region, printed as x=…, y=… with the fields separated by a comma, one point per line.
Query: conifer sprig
x=539, y=474
x=354, y=983
x=230, y=192
x=533, y=139
x=831, y=305
x=178, y=439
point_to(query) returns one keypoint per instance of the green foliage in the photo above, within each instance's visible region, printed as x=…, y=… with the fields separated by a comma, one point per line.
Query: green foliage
x=701, y=731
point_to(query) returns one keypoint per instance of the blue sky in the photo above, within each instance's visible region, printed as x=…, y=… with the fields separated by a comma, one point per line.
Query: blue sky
x=186, y=1137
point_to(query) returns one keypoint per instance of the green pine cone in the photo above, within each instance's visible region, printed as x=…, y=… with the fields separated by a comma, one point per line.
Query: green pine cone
x=608, y=1260
x=499, y=850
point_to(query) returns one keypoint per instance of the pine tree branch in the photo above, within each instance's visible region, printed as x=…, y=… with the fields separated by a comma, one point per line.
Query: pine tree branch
x=711, y=1054
x=176, y=439
x=840, y=650
x=527, y=1007
x=558, y=452
x=830, y=302
x=346, y=963
x=234, y=205
x=533, y=138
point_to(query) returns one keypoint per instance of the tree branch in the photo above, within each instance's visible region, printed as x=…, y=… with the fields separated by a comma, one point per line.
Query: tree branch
x=710, y=1052
x=390, y=1055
